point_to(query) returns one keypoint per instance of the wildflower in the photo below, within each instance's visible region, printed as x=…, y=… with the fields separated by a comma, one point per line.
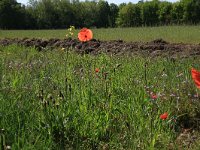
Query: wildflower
x=164, y=116
x=8, y=147
x=172, y=95
x=97, y=70
x=196, y=77
x=85, y=35
x=71, y=28
x=164, y=75
x=179, y=75
x=70, y=31
x=153, y=96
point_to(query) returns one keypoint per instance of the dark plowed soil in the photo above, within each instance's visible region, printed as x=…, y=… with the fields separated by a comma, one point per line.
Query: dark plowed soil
x=154, y=48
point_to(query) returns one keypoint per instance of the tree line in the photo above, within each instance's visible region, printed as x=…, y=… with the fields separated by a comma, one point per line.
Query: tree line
x=54, y=14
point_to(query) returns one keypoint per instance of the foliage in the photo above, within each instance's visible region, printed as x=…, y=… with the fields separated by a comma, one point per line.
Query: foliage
x=191, y=11
x=70, y=32
x=61, y=100
x=46, y=14
x=177, y=13
x=165, y=13
x=129, y=16
x=149, y=13
x=103, y=14
x=113, y=14
x=12, y=15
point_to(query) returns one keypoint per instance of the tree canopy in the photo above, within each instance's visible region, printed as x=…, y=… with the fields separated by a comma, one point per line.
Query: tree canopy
x=52, y=14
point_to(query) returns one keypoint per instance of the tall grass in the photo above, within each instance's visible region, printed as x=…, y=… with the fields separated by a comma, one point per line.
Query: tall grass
x=56, y=100
x=186, y=34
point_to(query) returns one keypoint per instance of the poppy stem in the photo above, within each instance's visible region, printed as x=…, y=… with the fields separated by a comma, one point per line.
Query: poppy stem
x=151, y=124
x=145, y=73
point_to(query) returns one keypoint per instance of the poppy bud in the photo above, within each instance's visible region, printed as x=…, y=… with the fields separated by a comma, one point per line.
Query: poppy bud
x=97, y=70
x=164, y=116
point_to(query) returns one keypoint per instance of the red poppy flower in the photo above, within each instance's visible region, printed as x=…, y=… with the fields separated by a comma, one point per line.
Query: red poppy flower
x=97, y=70
x=153, y=96
x=196, y=77
x=85, y=35
x=164, y=116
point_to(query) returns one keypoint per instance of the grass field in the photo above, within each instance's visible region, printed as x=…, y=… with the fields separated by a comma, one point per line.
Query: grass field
x=186, y=34
x=61, y=100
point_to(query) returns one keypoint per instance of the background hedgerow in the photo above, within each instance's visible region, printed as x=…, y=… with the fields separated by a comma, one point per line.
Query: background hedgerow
x=57, y=100
x=54, y=14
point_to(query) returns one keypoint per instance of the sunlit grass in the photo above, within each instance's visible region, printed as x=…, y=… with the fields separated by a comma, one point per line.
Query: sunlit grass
x=56, y=100
x=186, y=34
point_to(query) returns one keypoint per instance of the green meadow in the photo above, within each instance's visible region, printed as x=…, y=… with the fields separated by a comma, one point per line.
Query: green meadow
x=186, y=34
x=61, y=100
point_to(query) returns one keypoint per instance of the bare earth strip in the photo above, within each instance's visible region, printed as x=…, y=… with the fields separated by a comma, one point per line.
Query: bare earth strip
x=154, y=48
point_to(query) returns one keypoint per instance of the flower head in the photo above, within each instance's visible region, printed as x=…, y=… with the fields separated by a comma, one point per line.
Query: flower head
x=196, y=77
x=164, y=116
x=70, y=31
x=63, y=49
x=85, y=35
x=153, y=96
x=97, y=70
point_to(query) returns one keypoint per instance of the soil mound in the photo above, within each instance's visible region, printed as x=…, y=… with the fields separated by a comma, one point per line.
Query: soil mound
x=155, y=48
x=158, y=41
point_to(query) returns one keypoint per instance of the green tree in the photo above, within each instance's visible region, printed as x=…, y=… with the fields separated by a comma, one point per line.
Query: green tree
x=31, y=22
x=149, y=12
x=89, y=14
x=12, y=14
x=65, y=13
x=103, y=14
x=165, y=13
x=191, y=10
x=129, y=16
x=114, y=10
x=177, y=13
x=122, y=5
x=46, y=14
